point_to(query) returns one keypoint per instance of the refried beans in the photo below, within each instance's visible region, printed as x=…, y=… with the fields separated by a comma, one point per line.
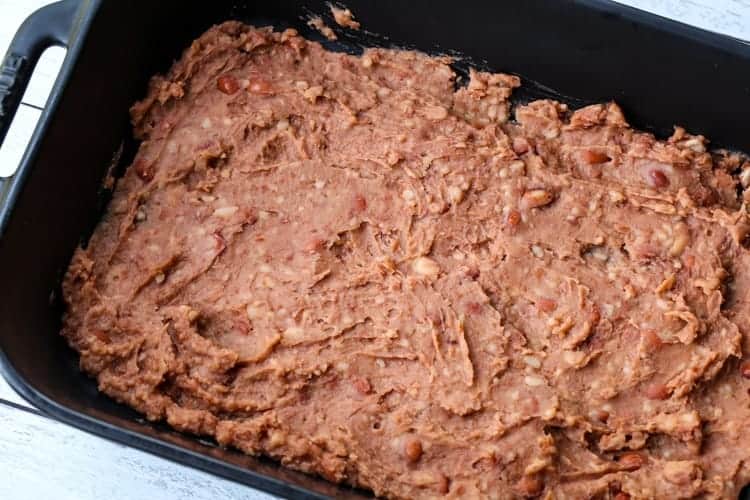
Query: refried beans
x=357, y=267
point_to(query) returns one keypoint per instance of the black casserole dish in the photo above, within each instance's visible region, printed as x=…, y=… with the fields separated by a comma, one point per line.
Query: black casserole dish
x=660, y=72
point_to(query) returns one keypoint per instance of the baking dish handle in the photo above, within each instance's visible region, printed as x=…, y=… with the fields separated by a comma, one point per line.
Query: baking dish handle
x=49, y=26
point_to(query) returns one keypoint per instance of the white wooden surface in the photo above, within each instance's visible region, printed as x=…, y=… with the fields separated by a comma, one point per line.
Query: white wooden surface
x=730, y=17
x=44, y=459
x=41, y=458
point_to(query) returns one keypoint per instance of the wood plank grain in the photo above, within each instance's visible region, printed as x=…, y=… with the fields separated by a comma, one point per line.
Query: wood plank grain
x=44, y=77
x=21, y=129
x=8, y=394
x=730, y=17
x=41, y=458
x=12, y=14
